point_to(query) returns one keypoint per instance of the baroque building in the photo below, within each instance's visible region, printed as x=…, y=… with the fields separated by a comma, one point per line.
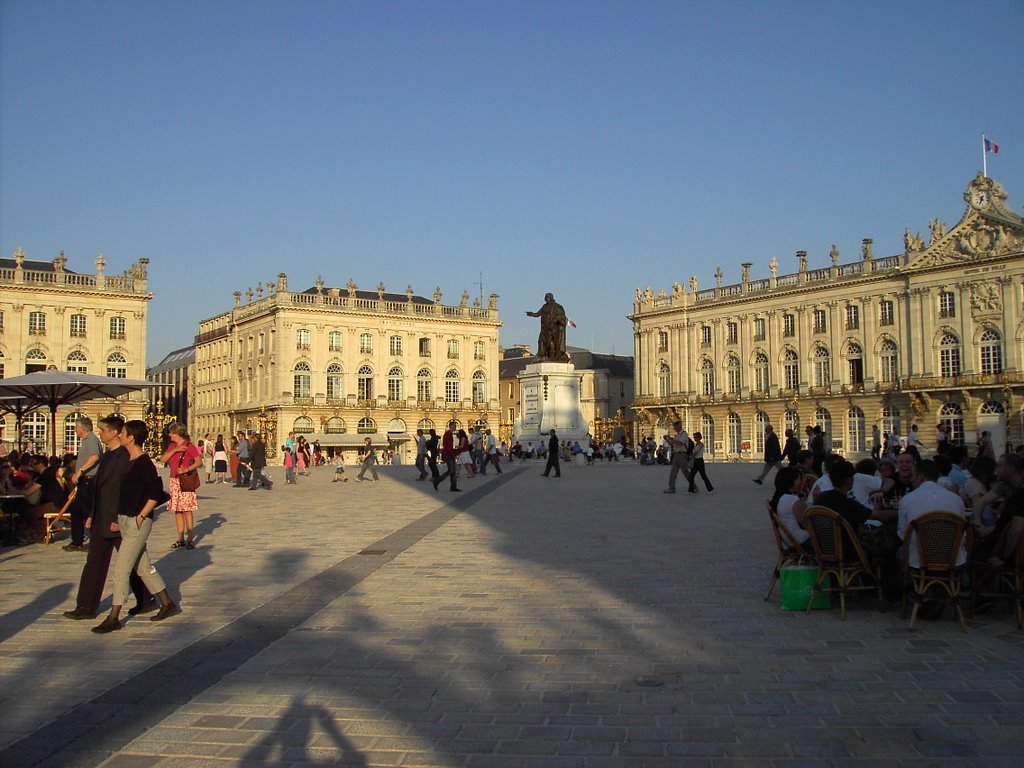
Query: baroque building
x=930, y=335
x=53, y=317
x=339, y=364
x=606, y=389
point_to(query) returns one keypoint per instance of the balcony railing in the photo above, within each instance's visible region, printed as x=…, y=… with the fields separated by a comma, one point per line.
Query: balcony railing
x=849, y=389
x=302, y=346
x=36, y=331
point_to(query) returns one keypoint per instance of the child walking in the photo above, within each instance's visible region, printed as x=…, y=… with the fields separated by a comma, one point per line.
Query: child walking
x=339, y=468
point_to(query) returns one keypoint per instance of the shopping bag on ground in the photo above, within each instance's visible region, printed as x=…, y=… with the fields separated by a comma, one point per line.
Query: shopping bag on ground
x=797, y=585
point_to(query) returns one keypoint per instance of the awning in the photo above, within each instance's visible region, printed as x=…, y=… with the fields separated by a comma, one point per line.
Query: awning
x=354, y=439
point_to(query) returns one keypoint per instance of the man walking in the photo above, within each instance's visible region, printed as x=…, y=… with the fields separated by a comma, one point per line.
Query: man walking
x=242, y=451
x=448, y=454
x=680, y=455
x=258, y=461
x=491, y=455
x=367, y=457
x=772, y=454
x=552, y=456
x=89, y=451
x=101, y=519
x=421, y=454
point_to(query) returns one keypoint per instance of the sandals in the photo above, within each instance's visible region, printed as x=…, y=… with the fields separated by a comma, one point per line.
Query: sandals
x=190, y=544
x=178, y=544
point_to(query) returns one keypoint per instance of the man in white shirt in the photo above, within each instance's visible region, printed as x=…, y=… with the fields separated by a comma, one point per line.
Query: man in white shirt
x=421, y=454
x=926, y=497
x=491, y=453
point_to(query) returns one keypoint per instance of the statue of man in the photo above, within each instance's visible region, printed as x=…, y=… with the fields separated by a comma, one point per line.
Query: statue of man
x=551, y=342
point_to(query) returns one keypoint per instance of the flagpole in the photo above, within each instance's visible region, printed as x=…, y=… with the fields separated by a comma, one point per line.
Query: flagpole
x=984, y=157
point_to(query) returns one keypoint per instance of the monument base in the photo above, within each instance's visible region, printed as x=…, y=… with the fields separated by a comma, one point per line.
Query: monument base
x=550, y=399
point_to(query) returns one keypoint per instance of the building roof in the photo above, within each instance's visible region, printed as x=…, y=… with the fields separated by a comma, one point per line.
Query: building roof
x=33, y=265
x=179, y=358
x=582, y=359
x=371, y=295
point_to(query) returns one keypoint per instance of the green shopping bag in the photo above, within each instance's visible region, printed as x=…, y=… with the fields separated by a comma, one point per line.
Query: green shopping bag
x=797, y=584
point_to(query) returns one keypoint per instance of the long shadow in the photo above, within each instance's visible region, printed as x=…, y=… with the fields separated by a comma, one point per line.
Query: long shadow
x=290, y=739
x=15, y=621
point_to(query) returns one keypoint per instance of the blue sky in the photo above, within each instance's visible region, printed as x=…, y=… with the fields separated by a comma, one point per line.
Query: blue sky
x=586, y=148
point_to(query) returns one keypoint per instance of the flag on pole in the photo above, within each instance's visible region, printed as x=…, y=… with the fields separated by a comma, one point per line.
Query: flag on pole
x=572, y=324
x=991, y=146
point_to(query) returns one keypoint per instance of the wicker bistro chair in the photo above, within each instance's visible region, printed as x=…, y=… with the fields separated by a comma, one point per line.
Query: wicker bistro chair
x=840, y=557
x=790, y=551
x=58, y=522
x=940, y=538
x=1006, y=580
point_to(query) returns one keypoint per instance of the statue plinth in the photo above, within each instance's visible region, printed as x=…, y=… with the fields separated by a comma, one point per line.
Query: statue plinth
x=550, y=399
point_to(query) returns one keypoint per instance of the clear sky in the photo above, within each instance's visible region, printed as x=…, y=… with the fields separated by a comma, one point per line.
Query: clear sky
x=583, y=148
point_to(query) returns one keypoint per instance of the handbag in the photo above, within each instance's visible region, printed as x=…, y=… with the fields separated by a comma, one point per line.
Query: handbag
x=797, y=584
x=188, y=481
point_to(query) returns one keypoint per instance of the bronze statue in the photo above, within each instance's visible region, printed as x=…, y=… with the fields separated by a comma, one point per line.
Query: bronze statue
x=551, y=342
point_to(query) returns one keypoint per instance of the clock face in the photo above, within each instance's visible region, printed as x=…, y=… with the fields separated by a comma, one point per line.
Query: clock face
x=981, y=199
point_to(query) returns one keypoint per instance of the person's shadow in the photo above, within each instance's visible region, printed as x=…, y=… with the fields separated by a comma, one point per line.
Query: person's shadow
x=292, y=735
x=15, y=621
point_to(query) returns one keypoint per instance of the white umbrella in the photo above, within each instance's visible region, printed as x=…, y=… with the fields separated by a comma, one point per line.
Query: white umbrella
x=51, y=389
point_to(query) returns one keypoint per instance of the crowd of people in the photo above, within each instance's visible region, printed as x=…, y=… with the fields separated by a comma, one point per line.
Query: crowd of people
x=879, y=499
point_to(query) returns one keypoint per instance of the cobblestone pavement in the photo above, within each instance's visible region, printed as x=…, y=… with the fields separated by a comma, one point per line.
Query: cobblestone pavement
x=583, y=622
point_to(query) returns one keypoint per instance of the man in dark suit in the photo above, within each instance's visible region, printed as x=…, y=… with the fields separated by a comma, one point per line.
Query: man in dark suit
x=102, y=520
x=552, y=456
x=772, y=454
x=258, y=462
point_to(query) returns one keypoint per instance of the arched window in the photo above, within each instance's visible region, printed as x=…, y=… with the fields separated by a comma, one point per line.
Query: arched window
x=426, y=425
x=707, y=430
x=891, y=420
x=732, y=374
x=855, y=437
x=71, y=441
x=664, y=379
x=823, y=419
x=791, y=369
x=34, y=427
x=335, y=390
x=117, y=366
x=452, y=392
x=735, y=433
x=890, y=361
x=952, y=416
x=396, y=427
x=364, y=383
x=302, y=380
x=992, y=406
x=822, y=367
x=424, y=385
x=761, y=372
x=792, y=421
x=949, y=355
x=855, y=363
x=77, y=363
x=991, y=352
x=396, y=382
x=335, y=426
x=707, y=378
x=302, y=425
x=367, y=426
x=760, y=422
x=479, y=388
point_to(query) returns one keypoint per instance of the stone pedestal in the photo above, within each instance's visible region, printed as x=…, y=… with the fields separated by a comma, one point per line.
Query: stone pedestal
x=550, y=399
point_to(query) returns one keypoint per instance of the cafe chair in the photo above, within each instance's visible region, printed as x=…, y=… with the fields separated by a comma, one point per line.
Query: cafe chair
x=939, y=538
x=790, y=552
x=990, y=581
x=59, y=522
x=842, y=565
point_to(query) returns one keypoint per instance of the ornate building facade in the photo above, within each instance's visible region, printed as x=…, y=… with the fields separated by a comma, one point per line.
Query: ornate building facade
x=934, y=334
x=52, y=317
x=339, y=364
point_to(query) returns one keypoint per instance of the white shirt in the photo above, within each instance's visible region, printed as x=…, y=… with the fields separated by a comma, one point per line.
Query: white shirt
x=822, y=484
x=864, y=486
x=927, y=497
x=788, y=518
x=492, y=445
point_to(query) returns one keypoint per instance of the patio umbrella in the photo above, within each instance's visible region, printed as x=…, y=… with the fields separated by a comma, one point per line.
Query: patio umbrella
x=52, y=389
x=19, y=406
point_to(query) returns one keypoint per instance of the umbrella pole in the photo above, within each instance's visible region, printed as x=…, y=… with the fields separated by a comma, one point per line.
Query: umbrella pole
x=53, y=422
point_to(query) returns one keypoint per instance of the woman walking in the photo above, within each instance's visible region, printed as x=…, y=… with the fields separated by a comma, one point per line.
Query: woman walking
x=141, y=492
x=465, y=458
x=698, y=464
x=181, y=456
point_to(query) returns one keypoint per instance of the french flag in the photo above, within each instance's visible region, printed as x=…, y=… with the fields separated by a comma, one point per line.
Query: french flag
x=991, y=146
x=573, y=324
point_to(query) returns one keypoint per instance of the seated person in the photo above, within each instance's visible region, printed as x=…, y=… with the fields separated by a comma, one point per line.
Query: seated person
x=789, y=504
x=1000, y=544
x=927, y=496
x=903, y=480
x=824, y=483
x=867, y=483
x=979, y=482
